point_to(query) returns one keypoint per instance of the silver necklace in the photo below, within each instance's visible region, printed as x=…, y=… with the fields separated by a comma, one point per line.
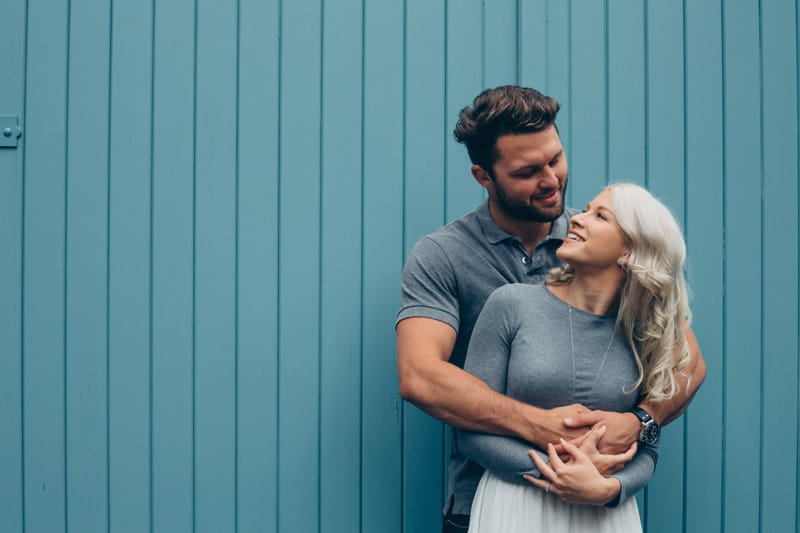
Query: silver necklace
x=602, y=363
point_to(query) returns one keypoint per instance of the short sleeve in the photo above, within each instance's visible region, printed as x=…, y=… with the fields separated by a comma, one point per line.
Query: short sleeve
x=429, y=287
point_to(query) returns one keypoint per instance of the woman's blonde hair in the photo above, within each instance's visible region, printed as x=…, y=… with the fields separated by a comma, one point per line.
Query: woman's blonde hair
x=654, y=301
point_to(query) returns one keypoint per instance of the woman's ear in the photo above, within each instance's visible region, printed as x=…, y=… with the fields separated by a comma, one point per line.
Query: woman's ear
x=623, y=259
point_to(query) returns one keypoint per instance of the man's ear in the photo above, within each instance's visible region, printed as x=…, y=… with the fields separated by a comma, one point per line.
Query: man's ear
x=481, y=176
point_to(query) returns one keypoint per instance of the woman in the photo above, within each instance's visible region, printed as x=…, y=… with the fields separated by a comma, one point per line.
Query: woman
x=605, y=332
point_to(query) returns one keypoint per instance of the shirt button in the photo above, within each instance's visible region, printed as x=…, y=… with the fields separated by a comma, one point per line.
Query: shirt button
x=526, y=260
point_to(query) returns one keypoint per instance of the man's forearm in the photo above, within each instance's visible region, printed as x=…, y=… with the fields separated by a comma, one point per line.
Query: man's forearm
x=458, y=398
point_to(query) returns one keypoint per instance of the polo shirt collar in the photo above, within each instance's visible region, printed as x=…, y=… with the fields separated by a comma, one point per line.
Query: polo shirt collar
x=558, y=231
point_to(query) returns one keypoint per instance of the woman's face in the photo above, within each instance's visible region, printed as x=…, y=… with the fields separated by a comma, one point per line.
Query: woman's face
x=595, y=239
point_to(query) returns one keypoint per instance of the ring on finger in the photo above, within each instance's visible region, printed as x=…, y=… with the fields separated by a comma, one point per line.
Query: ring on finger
x=547, y=488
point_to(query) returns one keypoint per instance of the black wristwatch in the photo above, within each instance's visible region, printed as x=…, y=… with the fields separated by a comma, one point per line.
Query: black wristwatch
x=650, y=428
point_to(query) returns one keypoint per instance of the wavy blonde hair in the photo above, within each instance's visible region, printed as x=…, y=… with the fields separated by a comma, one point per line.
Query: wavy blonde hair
x=654, y=300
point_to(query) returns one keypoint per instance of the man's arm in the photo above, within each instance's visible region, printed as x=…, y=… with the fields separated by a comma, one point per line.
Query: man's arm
x=458, y=398
x=623, y=428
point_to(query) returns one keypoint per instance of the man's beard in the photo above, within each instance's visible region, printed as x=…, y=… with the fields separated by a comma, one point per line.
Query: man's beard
x=524, y=211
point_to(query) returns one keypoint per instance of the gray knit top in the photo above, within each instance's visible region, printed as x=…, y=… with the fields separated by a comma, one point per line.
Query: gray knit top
x=532, y=346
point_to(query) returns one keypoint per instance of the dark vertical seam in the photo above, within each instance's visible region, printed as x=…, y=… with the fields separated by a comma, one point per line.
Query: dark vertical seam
x=361, y=281
x=65, y=292
x=569, y=84
x=797, y=275
x=724, y=264
x=236, y=215
x=278, y=271
x=518, y=42
x=320, y=255
x=22, y=306
x=194, y=270
x=151, y=501
x=403, y=499
x=606, y=103
x=443, y=437
x=646, y=73
x=762, y=168
x=108, y=262
x=686, y=220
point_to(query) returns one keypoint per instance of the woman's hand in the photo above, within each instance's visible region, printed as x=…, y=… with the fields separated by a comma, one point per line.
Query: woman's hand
x=577, y=480
x=605, y=463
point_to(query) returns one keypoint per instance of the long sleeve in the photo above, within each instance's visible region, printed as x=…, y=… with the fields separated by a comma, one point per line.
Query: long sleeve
x=506, y=457
x=636, y=474
x=487, y=359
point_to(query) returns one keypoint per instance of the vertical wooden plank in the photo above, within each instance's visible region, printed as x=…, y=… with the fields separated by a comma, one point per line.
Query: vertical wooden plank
x=215, y=267
x=129, y=267
x=557, y=72
x=12, y=57
x=743, y=268
x=501, y=44
x=626, y=91
x=534, y=36
x=588, y=105
x=462, y=85
x=424, y=212
x=780, y=294
x=172, y=267
x=299, y=267
x=664, y=175
x=257, y=239
x=43, y=268
x=86, y=268
x=341, y=248
x=382, y=160
x=705, y=237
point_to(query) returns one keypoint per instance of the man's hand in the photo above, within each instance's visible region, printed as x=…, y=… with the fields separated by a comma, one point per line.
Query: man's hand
x=622, y=429
x=549, y=427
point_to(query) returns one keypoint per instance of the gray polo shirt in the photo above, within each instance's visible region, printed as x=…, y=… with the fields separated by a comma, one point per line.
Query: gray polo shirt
x=450, y=273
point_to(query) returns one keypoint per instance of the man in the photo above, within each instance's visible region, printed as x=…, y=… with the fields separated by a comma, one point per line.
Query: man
x=517, y=156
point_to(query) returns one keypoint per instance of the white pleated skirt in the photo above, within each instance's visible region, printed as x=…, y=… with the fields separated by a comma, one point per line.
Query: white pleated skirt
x=500, y=506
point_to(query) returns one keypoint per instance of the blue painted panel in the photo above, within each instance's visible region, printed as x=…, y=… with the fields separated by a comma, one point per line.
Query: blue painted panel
x=257, y=311
x=383, y=119
x=534, y=36
x=501, y=42
x=173, y=268
x=44, y=490
x=588, y=155
x=299, y=260
x=743, y=267
x=664, y=156
x=779, y=491
x=340, y=305
x=423, y=468
x=705, y=239
x=626, y=91
x=215, y=268
x=12, y=41
x=463, y=83
x=86, y=268
x=129, y=268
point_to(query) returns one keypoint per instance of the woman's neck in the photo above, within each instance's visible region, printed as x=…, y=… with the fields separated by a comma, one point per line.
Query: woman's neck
x=596, y=294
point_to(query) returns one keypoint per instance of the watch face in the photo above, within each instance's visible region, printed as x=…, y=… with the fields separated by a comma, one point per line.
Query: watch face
x=650, y=434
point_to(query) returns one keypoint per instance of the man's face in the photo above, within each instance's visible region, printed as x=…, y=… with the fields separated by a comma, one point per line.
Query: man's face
x=530, y=176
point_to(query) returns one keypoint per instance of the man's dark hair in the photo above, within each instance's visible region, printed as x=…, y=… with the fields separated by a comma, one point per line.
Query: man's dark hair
x=501, y=111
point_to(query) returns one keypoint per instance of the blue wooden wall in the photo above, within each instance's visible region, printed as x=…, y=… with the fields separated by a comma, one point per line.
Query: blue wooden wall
x=203, y=227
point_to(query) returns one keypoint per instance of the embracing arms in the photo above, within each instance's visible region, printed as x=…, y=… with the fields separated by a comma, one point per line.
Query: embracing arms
x=458, y=398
